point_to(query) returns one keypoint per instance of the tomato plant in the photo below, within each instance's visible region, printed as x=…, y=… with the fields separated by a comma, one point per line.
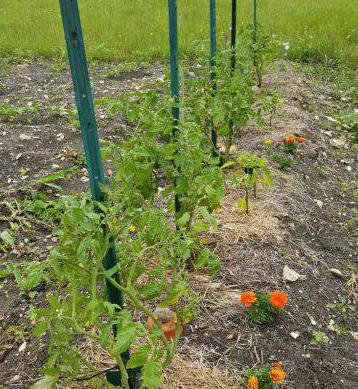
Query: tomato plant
x=154, y=241
x=251, y=170
x=152, y=266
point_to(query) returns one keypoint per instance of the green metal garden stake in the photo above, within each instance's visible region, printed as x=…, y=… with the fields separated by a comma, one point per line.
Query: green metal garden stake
x=174, y=72
x=254, y=27
x=233, y=35
x=174, y=60
x=213, y=75
x=84, y=101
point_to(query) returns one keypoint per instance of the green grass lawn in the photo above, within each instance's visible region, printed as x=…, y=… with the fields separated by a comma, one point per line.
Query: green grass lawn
x=137, y=29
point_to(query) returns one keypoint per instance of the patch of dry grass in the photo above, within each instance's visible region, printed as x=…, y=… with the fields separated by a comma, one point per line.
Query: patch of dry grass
x=194, y=374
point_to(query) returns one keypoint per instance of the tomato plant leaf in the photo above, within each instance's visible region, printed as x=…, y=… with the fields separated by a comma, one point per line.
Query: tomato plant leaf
x=140, y=357
x=152, y=375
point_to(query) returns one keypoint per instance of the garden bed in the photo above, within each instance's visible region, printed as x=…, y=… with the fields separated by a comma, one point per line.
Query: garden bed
x=305, y=222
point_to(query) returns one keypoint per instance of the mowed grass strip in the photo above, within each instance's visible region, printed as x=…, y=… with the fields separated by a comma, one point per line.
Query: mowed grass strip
x=137, y=29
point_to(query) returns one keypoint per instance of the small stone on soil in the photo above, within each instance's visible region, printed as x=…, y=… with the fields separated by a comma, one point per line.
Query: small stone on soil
x=336, y=272
x=291, y=275
x=319, y=202
x=22, y=348
x=24, y=137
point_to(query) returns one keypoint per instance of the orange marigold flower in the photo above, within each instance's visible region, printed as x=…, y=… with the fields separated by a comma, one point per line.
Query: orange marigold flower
x=291, y=139
x=248, y=298
x=278, y=299
x=252, y=382
x=277, y=375
x=301, y=140
x=277, y=365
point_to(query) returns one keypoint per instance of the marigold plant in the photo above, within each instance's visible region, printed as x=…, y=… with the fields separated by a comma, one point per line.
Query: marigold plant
x=266, y=377
x=277, y=375
x=248, y=298
x=262, y=307
x=252, y=382
x=278, y=299
x=291, y=143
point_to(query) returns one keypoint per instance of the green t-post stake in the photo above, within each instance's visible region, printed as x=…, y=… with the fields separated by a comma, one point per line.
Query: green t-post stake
x=254, y=28
x=213, y=49
x=174, y=72
x=84, y=101
x=233, y=35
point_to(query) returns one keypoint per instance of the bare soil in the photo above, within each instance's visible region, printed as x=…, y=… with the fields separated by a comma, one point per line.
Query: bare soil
x=305, y=222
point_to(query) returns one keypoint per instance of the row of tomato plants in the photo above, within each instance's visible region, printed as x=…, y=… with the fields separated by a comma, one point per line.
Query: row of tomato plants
x=156, y=244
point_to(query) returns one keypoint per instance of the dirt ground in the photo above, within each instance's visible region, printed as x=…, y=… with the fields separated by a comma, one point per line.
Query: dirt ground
x=304, y=222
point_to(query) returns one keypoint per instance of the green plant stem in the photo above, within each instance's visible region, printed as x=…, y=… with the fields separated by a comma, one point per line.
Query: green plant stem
x=124, y=374
x=137, y=304
x=135, y=263
x=85, y=362
x=73, y=301
x=247, y=198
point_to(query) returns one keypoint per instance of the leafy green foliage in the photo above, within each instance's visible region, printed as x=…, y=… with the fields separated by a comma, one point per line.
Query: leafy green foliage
x=152, y=375
x=12, y=113
x=251, y=170
x=343, y=305
x=262, y=52
x=319, y=337
x=262, y=311
x=350, y=122
x=29, y=278
x=263, y=377
x=230, y=107
x=282, y=161
x=6, y=240
x=155, y=243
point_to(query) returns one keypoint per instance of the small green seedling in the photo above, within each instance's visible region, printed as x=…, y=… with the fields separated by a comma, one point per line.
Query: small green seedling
x=251, y=170
x=282, y=161
x=319, y=337
x=343, y=305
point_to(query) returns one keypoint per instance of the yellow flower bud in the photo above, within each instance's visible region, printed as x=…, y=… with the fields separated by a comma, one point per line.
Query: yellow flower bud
x=268, y=142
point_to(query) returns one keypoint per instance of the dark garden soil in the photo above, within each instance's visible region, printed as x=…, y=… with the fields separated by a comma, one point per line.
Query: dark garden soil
x=305, y=222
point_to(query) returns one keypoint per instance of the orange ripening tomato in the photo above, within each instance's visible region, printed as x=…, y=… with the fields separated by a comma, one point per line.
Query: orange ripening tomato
x=301, y=140
x=169, y=328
